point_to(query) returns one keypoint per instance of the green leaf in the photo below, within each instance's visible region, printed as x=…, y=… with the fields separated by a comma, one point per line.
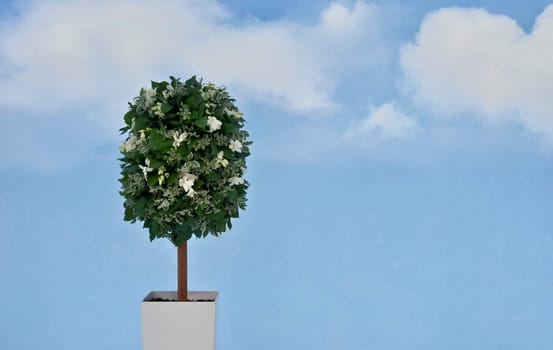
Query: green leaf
x=155, y=227
x=201, y=109
x=129, y=214
x=214, y=150
x=156, y=84
x=219, y=221
x=213, y=177
x=181, y=238
x=165, y=107
x=141, y=122
x=156, y=164
x=158, y=142
x=152, y=180
x=175, y=122
x=232, y=194
x=128, y=117
x=228, y=128
x=192, y=84
x=181, y=234
x=173, y=179
x=152, y=235
x=201, y=123
x=139, y=207
x=130, y=168
x=192, y=102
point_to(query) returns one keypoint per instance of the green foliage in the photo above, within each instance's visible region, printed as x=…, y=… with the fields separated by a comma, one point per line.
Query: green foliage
x=184, y=159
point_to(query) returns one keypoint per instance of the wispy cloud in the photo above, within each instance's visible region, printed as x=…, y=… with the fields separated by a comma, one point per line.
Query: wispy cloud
x=384, y=123
x=468, y=60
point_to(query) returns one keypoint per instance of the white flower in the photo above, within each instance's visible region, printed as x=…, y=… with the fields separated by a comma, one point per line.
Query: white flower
x=161, y=176
x=235, y=146
x=169, y=92
x=221, y=161
x=236, y=181
x=149, y=97
x=187, y=181
x=234, y=114
x=129, y=145
x=191, y=193
x=178, y=138
x=213, y=124
x=157, y=110
x=184, y=111
x=146, y=169
x=132, y=143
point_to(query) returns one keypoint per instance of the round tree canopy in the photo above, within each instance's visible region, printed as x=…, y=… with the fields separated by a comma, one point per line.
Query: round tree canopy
x=184, y=160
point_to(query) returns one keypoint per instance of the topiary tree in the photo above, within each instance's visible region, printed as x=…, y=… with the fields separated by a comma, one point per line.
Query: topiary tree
x=183, y=163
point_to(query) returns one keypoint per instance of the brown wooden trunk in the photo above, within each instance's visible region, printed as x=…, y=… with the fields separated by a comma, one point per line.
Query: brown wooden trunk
x=182, y=272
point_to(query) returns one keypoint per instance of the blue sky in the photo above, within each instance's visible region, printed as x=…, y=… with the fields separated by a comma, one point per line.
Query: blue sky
x=402, y=172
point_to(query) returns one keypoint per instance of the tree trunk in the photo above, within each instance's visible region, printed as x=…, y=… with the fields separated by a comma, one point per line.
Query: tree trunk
x=182, y=273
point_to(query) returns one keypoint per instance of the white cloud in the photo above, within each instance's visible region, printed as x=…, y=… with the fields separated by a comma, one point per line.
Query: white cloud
x=468, y=60
x=346, y=37
x=384, y=123
x=60, y=52
x=84, y=59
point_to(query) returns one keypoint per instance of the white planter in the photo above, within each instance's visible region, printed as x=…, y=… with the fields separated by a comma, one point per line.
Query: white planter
x=179, y=325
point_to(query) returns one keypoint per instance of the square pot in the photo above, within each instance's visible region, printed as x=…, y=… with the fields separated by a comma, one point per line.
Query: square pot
x=179, y=325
